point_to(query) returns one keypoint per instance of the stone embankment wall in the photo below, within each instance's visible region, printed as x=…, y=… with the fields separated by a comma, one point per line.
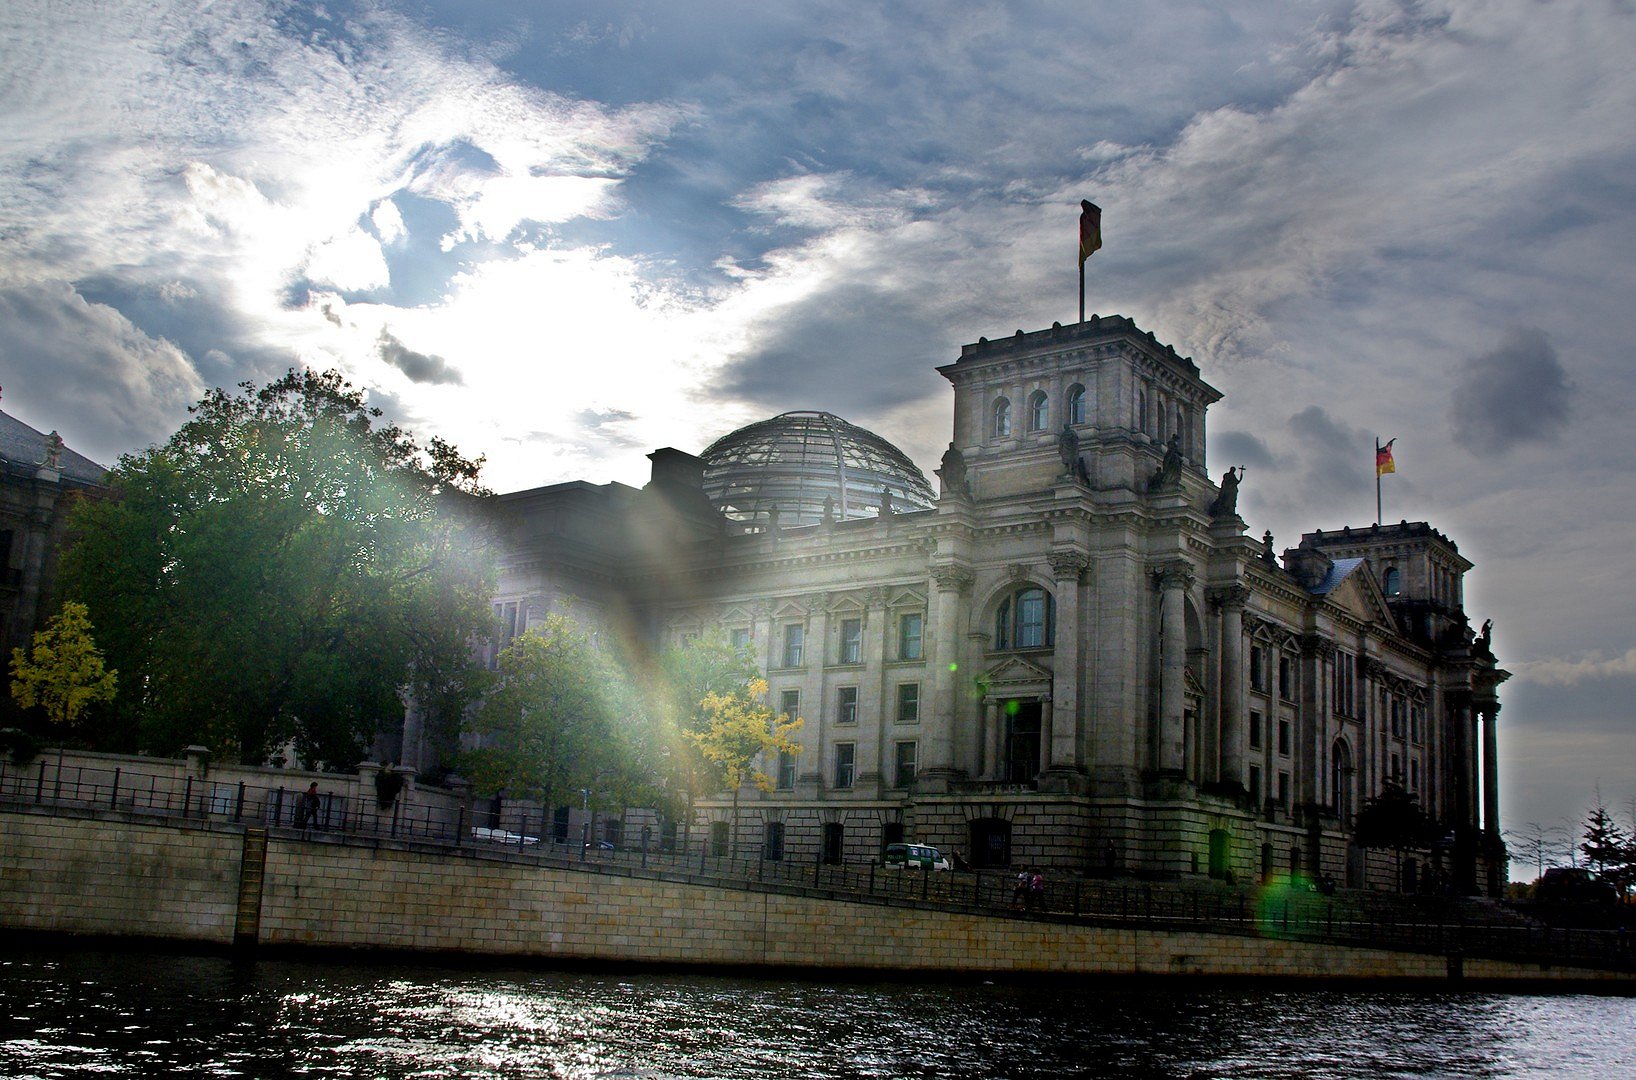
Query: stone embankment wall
x=123, y=877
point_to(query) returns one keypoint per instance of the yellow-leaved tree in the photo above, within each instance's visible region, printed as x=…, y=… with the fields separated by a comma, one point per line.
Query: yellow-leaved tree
x=740, y=730
x=65, y=672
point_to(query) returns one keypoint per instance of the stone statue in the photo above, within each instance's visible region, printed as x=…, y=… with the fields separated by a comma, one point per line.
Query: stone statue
x=1068, y=450
x=772, y=518
x=953, y=472
x=885, y=502
x=829, y=510
x=1226, y=504
x=1169, y=473
x=53, y=451
x=1266, y=551
x=1485, y=639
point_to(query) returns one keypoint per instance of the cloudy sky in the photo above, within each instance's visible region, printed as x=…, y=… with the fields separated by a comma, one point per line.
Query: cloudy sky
x=562, y=234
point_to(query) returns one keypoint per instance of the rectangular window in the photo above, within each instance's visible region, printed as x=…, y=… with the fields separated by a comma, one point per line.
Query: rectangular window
x=789, y=703
x=906, y=757
x=851, y=641
x=786, y=771
x=1255, y=786
x=513, y=619
x=1397, y=769
x=1345, y=686
x=1286, y=684
x=739, y=637
x=772, y=842
x=1414, y=775
x=795, y=640
x=846, y=705
x=910, y=628
x=1414, y=722
x=1255, y=730
x=613, y=831
x=909, y=703
x=1258, y=668
x=1283, y=789
x=1283, y=737
x=845, y=760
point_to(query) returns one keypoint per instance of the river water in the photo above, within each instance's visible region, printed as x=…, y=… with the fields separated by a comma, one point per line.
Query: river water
x=73, y=1012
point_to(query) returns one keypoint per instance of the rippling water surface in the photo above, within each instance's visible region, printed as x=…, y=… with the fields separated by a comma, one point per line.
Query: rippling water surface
x=76, y=1013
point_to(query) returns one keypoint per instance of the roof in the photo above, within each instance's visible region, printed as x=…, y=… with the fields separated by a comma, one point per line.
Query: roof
x=1339, y=570
x=21, y=447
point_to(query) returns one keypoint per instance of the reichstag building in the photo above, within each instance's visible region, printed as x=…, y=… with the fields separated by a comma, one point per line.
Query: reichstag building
x=1069, y=653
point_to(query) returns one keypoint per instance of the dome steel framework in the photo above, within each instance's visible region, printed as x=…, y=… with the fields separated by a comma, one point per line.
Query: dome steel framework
x=796, y=460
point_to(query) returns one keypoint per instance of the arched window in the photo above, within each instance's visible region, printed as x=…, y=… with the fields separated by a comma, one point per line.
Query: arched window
x=1392, y=584
x=1039, y=413
x=1026, y=620
x=1076, y=405
x=1340, y=779
x=1002, y=418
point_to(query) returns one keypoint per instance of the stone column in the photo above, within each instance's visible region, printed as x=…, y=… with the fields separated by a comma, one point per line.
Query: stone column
x=1173, y=580
x=1067, y=747
x=814, y=655
x=876, y=698
x=1490, y=713
x=1231, y=600
x=942, y=658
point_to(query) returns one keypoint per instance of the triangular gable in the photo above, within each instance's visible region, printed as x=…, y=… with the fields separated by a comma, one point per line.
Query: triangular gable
x=908, y=598
x=1014, y=676
x=1359, y=595
x=789, y=611
x=847, y=606
x=735, y=616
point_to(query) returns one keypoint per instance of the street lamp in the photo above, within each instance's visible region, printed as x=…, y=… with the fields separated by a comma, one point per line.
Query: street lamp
x=585, y=823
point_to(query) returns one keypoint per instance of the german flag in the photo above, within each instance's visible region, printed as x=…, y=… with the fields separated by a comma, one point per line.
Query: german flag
x=1090, y=229
x=1383, y=458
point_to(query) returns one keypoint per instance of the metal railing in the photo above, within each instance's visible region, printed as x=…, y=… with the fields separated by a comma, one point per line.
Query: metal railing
x=1280, y=909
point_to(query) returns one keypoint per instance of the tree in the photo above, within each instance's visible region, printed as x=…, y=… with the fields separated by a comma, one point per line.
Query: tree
x=557, y=720
x=285, y=569
x=686, y=675
x=1538, y=844
x=66, y=672
x=1393, y=819
x=1608, y=849
x=740, y=731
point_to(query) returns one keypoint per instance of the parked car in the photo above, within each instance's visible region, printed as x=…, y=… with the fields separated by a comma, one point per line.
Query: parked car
x=601, y=845
x=914, y=857
x=500, y=836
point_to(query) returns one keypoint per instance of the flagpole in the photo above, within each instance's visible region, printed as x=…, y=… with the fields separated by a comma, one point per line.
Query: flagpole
x=1081, y=290
x=1377, y=479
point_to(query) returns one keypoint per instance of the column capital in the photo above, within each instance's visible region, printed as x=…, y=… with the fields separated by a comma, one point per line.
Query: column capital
x=952, y=578
x=1068, y=566
x=875, y=597
x=1235, y=595
x=1313, y=645
x=1177, y=574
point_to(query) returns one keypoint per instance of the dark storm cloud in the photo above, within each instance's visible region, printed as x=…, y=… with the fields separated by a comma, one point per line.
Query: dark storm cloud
x=1333, y=455
x=1240, y=448
x=854, y=352
x=420, y=367
x=1518, y=393
x=86, y=370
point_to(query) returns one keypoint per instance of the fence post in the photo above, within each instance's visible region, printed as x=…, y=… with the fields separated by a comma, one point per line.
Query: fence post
x=39, y=785
x=817, y=866
x=238, y=805
x=459, y=824
x=113, y=796
x=187, y=796
x=396, y=805
x=278, y=806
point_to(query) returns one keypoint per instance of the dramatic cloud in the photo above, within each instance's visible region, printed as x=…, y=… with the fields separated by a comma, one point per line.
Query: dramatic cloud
x=420, y=367
x=1569, y=672
x=1518, y=393
x=1331, y=453
x=1239, y=448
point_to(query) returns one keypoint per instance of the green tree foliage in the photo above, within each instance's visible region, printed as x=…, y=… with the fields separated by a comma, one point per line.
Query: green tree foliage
x=1393, y=819
x=560, y=717
x=688, y=673
x=741, y=730
x=284, y=568
x=1609, y=849
x=65, y=672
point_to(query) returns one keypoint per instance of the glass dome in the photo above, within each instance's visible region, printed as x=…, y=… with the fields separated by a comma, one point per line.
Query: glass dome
x=796, y=460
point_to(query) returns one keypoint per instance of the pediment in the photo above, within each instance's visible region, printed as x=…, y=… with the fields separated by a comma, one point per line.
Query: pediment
x=907, y=598
x=1015, y=675
x=1360, y=597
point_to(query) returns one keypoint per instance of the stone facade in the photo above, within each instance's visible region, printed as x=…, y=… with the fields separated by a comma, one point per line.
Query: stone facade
x=39, y=480
x=1078, y=658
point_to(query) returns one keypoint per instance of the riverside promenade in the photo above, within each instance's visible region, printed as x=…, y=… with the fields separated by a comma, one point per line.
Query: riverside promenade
x=80, y=857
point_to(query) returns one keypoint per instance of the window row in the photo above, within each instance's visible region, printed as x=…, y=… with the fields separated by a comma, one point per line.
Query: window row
x=906, y=700
x=844, y=774
x=1039, y=412
x=910, y=641
x=1261, y=671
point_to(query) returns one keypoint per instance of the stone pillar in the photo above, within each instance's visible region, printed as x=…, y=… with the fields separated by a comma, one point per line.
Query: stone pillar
x=1173, y=580
x=814, y=730
x=1231, y=600
x=1489, y=711
x=1065, y=761
x=877, y=699
x=942, y=659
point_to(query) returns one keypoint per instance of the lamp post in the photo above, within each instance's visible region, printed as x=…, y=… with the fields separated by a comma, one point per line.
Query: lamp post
x=585, y=824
